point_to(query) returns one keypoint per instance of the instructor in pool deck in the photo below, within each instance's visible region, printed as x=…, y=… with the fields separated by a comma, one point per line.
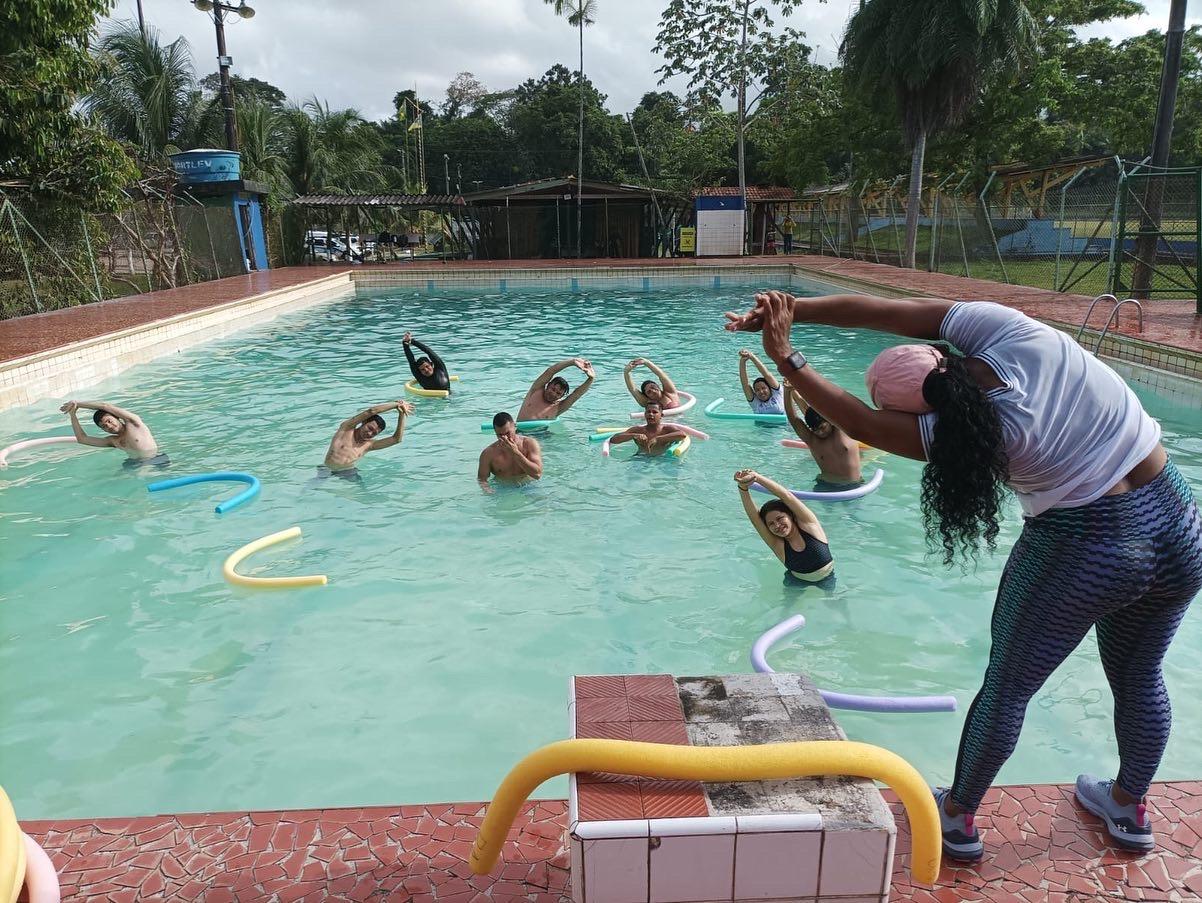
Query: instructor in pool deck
x=357, y=436
x=513, y=458
x=429, y=371
x=1111, y=539
x=549, y=395
x=125, y=429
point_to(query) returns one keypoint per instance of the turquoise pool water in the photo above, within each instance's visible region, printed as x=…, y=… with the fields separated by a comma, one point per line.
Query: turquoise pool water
x=136, y=680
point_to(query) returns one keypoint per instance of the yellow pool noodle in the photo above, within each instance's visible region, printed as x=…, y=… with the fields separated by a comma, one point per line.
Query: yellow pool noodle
x=267, y=582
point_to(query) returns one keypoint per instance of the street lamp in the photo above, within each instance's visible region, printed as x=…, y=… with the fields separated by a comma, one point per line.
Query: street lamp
x=217, y=10
x=446, y=170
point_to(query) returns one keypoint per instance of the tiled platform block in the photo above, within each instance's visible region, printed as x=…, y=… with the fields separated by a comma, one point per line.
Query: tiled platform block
x=637, y=840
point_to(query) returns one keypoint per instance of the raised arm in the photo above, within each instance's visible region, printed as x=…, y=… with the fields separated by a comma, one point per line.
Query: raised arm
x=353, y=422
x=434, y=358
x=745, y=478
x=664, y=379
x=891, y=431
x=545, y=377
x=80, y=436
x=121, y=413
x=406, y=343
x=803, y=515
x=744, y=357
x=773, y=383
x=403, y=410
x=634, y=390
x=918, y=318
x=587, y=369
x=793, y=403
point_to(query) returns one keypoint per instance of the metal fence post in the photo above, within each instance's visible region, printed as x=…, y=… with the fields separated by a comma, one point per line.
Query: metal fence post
x=932, y=261
x=21, y=250
x=960, y=225
x=1060, y=228
x=989, y=223
x=83, y=221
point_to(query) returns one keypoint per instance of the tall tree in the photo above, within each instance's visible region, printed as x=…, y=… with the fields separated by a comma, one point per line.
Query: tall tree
x=146, y=93
x=933, y=56
x=580, y=13
x=45, y=65
x=245, y=88
x=463, y=94
x=724, y=46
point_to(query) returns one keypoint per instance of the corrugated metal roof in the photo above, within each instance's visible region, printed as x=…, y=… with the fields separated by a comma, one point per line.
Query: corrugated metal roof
x=379, y=200
x=754, y=193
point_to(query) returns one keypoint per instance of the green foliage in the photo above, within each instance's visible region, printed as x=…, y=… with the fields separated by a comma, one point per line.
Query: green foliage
x=463, y=94
x=44, y=66
x=245, y=89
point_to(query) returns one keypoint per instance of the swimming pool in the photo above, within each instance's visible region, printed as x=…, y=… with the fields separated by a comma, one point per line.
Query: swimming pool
x=135, y=680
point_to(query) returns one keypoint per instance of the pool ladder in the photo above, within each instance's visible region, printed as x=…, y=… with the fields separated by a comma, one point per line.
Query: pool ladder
x=1112, y=320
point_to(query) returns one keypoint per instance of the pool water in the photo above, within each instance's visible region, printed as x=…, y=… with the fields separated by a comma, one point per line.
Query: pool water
x=136, y=680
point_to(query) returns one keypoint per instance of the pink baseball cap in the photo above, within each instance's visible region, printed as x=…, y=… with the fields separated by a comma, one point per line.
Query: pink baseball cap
x=896, y=376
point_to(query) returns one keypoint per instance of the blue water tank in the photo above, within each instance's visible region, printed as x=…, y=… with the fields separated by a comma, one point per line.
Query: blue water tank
x=207, y=165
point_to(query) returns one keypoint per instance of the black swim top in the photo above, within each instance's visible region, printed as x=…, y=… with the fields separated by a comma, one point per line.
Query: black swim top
x=439, y=379
x=816, y=555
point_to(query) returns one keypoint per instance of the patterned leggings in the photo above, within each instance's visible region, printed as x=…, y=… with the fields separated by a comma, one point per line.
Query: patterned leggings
x=1129, y=564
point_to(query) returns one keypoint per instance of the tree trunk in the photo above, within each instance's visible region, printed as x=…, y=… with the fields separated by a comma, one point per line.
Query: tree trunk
x=914, y=205
x=580, y=156
x=742, y=124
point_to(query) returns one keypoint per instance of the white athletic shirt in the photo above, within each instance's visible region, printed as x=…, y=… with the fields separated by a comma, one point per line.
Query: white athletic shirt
x=1072, y=427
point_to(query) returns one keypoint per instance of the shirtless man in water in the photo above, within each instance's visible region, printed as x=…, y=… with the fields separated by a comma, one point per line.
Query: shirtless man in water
x=548, y=396
x=357, y=436
x=653, y=437
x=513, y=458
x=836, y=453
x=125, y=429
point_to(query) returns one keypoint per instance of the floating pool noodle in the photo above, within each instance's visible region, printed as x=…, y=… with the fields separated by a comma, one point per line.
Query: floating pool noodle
x=523, y=426
x=680, y=446
x=686, y=405
x=223, y=476
x=839, y=495
x=250, y=548
x=711, y=410
x=797, y=443
x=413, y=388
x=41, y=880
x=849, y=701
x=31, y=443
x=12, y=852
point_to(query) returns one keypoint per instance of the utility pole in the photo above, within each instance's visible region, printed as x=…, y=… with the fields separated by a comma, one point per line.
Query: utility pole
x=218, y=10
x=446, y=171
x=1162, y=139
x=141, y=21
x=458, y=178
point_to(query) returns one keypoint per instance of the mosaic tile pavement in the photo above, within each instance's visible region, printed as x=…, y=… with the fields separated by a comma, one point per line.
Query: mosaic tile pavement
x=1041, y=848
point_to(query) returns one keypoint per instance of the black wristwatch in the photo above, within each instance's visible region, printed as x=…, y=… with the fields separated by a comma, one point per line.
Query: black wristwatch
x=793, y=363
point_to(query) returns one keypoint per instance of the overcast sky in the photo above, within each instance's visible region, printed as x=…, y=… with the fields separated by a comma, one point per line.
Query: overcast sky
x=358, y=53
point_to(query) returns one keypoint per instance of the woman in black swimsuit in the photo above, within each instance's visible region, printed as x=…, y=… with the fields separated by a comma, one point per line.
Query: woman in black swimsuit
x=430, y=372
x=789, y=528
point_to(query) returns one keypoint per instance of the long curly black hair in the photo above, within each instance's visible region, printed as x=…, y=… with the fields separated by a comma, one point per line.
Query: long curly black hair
x=963, y=484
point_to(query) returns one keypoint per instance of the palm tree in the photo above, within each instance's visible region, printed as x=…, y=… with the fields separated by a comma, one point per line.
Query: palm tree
x=262, y=132
x=332, y=150
x=580, y=13
x=934, y=56
x=147, y=93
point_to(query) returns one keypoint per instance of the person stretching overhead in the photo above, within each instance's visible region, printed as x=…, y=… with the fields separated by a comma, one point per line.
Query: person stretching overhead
x=765, y=394
x=513, y=458
x=549, y=395
x=125, y=429
x=836, y=453
x=653, y=437
x=429, y=371
x=789, y=529
x=357, y=436
x=663, y=392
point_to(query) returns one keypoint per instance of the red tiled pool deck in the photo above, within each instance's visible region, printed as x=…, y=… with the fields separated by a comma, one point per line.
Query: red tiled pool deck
x=1166, y=322
x=1040, y=847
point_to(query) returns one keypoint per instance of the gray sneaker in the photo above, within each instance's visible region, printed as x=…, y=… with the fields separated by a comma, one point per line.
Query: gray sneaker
x=1128, y=825
x=961, y=839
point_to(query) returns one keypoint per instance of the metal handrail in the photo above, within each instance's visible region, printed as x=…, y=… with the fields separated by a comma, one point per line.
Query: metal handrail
x=1089, y=313
x=1114, y=318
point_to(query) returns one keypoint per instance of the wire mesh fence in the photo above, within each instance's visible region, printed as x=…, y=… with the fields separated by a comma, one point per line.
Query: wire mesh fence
x=1084, y=227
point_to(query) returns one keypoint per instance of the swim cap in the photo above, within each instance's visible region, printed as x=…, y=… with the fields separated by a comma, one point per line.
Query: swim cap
x=895, y=378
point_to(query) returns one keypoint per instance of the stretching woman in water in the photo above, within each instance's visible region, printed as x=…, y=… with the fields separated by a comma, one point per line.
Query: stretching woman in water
x=1111, y=535
x=789, y=529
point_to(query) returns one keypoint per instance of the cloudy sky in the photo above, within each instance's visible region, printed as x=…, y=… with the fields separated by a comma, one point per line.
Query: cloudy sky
x=358, y=53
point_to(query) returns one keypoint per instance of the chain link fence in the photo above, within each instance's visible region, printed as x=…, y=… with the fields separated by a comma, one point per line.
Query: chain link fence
x=1074, y=227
